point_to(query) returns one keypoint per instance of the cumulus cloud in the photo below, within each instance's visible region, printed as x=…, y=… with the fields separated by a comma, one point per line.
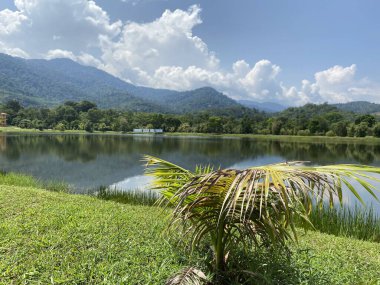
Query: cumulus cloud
x=336, y=85
x=167, y=42
x=38, y=26
x=163, y=53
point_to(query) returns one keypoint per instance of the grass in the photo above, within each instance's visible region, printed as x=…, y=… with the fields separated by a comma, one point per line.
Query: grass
x=134, y=197
x=22, y=180
x=12, y=129
x=361, y=223
x=288, y=138
x=59, y=238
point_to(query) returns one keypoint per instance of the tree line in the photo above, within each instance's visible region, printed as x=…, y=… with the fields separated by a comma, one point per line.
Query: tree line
x=311, y=119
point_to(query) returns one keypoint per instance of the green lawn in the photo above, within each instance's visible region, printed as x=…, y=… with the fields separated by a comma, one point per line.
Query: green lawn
x=58, y=238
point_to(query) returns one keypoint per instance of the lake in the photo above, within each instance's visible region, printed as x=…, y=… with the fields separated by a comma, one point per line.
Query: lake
x=87, y=162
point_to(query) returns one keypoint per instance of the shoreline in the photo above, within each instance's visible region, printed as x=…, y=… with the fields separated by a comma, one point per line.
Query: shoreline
x=288, y=138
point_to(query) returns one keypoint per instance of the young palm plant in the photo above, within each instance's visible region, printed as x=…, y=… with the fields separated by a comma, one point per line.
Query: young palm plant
x=258, y=205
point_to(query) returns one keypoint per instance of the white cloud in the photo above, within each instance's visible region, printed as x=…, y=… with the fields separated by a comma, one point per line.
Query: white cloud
x=335, y=85
x=13, y=51
x=10, y=21
x=163, y=53
x=59, y=53
x=73, y=25
x=166, y=42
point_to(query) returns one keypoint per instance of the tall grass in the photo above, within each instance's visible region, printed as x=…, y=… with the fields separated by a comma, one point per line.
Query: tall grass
x=135, y=196
x=358, y=222
x=23, y=180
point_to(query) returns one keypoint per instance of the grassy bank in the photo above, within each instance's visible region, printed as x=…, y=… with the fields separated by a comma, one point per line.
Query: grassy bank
x=59, y=238
x=22, y=180
x=14, y=130
x=288, y=138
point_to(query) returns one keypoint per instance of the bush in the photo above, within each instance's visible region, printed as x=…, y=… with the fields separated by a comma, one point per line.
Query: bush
x=361, y=130
x=303, y=132
x=376, y=130
x=330, y=134
x=60, y=127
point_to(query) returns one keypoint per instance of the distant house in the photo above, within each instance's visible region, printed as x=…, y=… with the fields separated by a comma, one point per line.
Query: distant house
x=3, y=120
x=144, y=131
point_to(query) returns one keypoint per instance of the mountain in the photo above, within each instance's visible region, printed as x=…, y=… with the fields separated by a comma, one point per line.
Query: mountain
x=50, y=82
x=309, y=111
x=362, y=107
x=268, y=107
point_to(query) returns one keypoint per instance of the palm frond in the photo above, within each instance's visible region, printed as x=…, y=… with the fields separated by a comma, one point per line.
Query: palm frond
x=168, y=177
x=189, y=276
x=259, y=204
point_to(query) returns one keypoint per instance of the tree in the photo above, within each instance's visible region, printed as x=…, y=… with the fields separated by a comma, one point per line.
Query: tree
x=361, y=129
x=61, y=127
x=258, y=205
x=13, y=106
x=66, y=113
x=214, y=125
x=85, y=106
x=246, y=125
x=369, y=119
x=318, y=125
x=340, y=128
x=376, y=130
x=276, y=126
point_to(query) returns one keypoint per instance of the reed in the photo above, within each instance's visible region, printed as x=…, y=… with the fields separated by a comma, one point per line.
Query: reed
x=358, y=222
x=133, y=196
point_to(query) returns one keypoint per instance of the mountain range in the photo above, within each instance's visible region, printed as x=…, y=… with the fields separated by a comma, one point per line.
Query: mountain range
x=38, y=82
x=50, y=82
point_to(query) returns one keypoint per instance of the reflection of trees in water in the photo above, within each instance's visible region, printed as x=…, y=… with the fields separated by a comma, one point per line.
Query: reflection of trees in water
x=224, y=152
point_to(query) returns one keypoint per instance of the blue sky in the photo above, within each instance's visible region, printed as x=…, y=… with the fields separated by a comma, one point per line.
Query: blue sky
x=290, y=52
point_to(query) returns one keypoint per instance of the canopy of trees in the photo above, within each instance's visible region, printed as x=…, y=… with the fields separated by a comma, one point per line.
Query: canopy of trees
x=310, y=119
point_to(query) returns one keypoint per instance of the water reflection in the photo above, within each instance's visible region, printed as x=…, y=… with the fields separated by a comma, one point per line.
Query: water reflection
x=89, y=161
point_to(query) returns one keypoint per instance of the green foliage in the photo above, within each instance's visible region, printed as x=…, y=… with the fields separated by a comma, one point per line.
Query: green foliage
x=134, y=197
x=257, y=206
x=70, y=239
x=368, y=119
x=48, y=83
x=361, y=129
x=74, y=239
x=22, y=180
x=361, y=223
x=376, y=130
x=361, y=107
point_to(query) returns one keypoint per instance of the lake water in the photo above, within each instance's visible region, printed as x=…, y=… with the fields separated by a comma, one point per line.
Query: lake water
x=89, y=161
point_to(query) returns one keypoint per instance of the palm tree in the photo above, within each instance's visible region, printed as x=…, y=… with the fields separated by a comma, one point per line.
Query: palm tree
x=259, y=204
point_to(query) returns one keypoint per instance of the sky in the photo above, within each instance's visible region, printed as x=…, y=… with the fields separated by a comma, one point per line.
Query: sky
x=290, y=52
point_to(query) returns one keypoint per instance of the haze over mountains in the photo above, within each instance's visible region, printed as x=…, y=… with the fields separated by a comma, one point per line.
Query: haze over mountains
x=49, y=82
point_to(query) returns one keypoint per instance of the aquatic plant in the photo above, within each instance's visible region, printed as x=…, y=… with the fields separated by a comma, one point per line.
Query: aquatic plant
x=132, y=196
x=358, y=222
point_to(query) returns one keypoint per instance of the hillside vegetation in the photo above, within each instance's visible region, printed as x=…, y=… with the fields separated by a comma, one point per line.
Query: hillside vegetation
x=362, y=107
x=51, y=82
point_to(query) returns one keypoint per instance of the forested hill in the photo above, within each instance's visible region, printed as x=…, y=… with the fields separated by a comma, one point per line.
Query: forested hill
x=362, y=107
x=51, y=82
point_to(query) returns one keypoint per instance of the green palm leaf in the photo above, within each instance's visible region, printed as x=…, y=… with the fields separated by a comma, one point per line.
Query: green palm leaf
x=258, y=204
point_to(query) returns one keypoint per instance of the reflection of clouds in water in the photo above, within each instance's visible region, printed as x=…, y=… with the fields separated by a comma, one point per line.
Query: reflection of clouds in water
x=90, y=161
x=141, y=182
x=368, y=199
